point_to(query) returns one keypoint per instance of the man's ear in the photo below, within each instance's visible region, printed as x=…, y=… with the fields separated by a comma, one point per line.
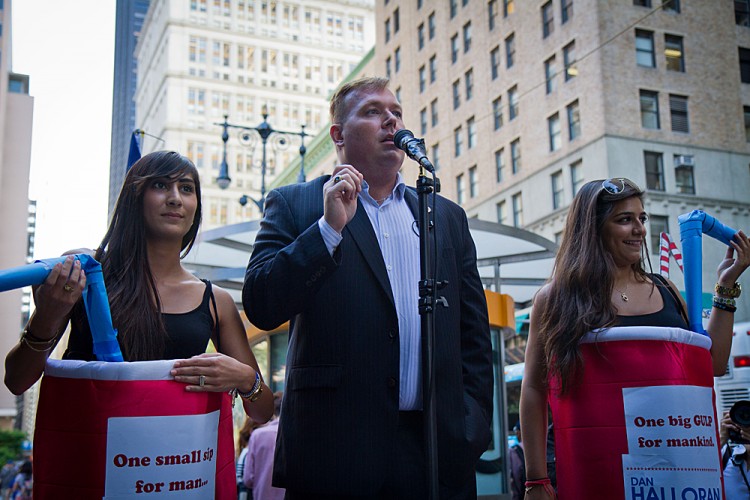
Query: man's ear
x=336, y=135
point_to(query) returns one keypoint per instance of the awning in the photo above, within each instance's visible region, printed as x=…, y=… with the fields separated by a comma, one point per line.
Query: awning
x=510, y=260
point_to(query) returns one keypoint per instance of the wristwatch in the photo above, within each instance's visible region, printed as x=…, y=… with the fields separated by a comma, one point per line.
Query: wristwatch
x=731, y=292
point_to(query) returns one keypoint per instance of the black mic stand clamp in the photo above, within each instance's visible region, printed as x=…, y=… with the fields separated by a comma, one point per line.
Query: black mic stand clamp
x=427, y=302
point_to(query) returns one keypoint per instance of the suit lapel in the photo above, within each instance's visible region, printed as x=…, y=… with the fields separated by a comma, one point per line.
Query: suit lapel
x=364, y=237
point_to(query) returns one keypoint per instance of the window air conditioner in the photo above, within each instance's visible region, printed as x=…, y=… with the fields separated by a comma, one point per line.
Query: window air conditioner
x=684, y=161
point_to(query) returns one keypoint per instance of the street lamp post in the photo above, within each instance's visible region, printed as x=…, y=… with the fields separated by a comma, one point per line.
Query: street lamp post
x=264, y=131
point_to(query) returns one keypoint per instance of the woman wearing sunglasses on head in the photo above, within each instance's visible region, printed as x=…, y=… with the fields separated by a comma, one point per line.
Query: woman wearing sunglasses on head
x=599, y=282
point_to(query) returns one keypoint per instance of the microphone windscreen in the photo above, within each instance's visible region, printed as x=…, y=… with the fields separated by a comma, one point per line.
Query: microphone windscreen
x=402, y=135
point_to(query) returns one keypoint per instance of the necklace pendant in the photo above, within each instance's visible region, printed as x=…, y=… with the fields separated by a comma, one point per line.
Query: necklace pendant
x=623, y=296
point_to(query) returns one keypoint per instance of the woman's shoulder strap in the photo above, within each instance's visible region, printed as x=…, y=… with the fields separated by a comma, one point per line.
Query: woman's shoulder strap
x=663, y=281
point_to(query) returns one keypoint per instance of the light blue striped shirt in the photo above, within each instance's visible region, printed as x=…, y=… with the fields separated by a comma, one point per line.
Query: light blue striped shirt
x=394, y=227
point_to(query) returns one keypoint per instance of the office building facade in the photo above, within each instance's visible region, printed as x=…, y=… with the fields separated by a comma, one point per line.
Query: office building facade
x=520, y=103
x=200, y=61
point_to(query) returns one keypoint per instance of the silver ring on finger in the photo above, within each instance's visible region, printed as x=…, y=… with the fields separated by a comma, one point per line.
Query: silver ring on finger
x=201, y=380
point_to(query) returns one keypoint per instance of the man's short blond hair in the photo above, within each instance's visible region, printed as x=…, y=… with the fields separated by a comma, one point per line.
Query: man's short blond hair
x=340, y=101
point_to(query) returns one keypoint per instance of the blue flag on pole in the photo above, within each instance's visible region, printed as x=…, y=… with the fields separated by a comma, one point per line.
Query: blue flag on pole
x=135, y=150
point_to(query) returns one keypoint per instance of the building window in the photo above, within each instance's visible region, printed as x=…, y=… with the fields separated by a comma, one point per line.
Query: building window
x=436, y=156
x=673, y=6
x=574, y=120
x=642, y=3
x=456, y=94
x=510, y=50
x=497, y=113
x=744, y=65
x=513, y=102
x=502, y=213
x=569, y=60
x=548, y=20
x=434, y=111
x=458, y=141
x=650, y=109
x=473, y=182
x=454, y=8
x=683, y=174
x=576, y=176
x=467, y=37
x=420, y=36
x=431, y=25
x=557, y=189
x=433, y=69
x=515, y=156
x=549, y=75
x=742, y=12
x=553, y=128
x=460, y=189
x=495, y=62
x=517, y=210
x=396, y=21
x=388, y=30
x=398, y=93
x=454, y=48
x=674, y=54
x=654, y=170
x=644, y=49
x=422, y=79
x=678, y=111
x=566, y=10
x=469, y=81
x=658, y=224
x=471, y=132
x=419, y=4
x=397, y=59
x=423, y=120
x=746, y=113
x=509, y=6
x=492, y=13
x=388, y=66
x=499, y=165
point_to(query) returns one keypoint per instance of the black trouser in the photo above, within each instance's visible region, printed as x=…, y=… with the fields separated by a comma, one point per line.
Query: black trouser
x=406, y=477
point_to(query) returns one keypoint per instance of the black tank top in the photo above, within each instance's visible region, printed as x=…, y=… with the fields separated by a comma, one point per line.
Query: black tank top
x=188, y=333
x=670, y=315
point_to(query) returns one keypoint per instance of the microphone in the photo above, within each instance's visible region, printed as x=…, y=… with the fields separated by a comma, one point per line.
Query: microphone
x=413, y=147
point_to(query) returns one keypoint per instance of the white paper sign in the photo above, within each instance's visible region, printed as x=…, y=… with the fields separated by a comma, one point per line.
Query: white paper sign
x=673, y=454
x=161, y=456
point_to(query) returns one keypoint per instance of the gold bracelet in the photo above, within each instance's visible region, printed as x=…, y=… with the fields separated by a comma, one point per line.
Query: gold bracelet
x=28, y=343
x=732, y=292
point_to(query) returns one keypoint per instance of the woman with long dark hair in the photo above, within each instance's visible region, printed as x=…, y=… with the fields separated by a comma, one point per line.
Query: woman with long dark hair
x=598, y=282
x=160, y=310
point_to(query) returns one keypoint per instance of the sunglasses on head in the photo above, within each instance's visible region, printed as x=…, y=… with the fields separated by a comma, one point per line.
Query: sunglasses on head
x=617, y=186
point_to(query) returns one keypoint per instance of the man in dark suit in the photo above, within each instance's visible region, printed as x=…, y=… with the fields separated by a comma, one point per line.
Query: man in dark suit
x=339, y=257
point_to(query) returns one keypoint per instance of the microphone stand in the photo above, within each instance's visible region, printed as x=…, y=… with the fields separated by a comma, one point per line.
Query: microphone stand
x=427, y=300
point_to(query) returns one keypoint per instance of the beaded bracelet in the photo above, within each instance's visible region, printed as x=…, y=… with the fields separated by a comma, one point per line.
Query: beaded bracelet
x=724, y=300
x=253, y=395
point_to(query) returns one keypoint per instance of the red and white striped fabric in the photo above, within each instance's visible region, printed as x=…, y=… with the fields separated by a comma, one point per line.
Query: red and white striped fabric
x=641, y=423
x=118, y=430
x=667, y=247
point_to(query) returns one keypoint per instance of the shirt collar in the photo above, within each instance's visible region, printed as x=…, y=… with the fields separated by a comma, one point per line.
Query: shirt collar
x=397, y=193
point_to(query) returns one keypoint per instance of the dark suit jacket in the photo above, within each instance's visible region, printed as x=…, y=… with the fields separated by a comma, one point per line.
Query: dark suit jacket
x=340, y=407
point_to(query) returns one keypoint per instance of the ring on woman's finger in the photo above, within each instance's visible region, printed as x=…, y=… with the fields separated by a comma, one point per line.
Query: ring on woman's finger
x=201, y=380
x=337, y=179
x=67, y=288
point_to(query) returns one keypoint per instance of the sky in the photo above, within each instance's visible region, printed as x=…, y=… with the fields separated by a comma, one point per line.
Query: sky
x=67, y=49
